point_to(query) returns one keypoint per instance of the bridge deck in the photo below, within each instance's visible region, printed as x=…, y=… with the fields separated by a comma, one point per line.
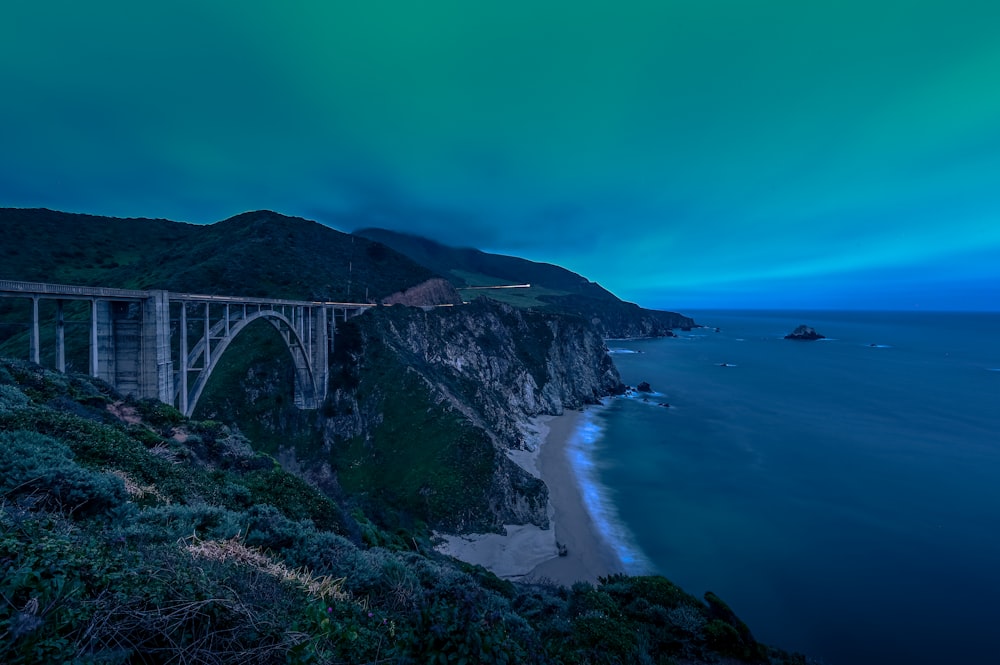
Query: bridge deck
x=66, y=291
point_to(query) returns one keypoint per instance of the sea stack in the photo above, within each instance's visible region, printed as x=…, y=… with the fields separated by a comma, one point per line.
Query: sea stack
x=804, y=332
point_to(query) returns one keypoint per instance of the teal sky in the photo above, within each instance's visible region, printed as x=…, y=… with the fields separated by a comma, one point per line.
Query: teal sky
x=718, y=153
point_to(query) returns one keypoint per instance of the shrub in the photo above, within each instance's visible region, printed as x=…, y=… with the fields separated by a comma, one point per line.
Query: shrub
x=168, y=524
x=728, y=634
x=11, y=398
x=293, y=496
x=40, y=469
x=50, y=565
x=653, y=588
x=161, y=416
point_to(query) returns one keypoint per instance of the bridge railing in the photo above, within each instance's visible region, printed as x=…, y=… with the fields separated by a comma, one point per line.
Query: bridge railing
x=68, y=291
x=236, y=300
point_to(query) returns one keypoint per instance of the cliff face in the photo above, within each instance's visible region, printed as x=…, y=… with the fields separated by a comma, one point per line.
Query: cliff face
x=427, y=402
x=499, y=365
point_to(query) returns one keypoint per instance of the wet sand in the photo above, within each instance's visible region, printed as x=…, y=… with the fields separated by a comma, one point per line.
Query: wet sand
x=588, y=555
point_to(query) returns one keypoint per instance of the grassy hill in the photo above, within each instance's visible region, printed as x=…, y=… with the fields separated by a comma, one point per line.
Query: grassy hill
x=551, y=287
x=262, y=254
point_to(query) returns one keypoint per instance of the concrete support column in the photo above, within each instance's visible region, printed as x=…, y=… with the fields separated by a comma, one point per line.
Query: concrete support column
x=94, y=357
x=208, y=342
x=35, y=343
x=103, y=332
x=157, y=375
x=60, y=337
x=183, y=373
x=319, y=349
x=310, y=324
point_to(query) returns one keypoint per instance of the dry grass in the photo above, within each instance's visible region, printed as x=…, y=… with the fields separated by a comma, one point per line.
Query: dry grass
x=233, y=550
x=137, y=491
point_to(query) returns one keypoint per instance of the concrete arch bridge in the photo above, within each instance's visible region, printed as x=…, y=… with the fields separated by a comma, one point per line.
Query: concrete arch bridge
x=166, y=345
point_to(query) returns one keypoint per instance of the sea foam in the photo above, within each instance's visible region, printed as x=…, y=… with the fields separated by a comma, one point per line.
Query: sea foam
x=596, y=497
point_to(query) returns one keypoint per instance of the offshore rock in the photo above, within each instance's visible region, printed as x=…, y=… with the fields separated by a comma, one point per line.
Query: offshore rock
x=804, y=332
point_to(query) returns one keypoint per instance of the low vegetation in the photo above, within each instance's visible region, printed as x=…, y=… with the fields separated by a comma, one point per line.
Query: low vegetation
x=129, y=534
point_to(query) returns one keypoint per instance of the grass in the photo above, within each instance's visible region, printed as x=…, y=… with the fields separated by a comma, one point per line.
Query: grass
x=526, y=298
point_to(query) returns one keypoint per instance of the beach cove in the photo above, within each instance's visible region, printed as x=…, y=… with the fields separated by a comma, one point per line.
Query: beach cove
x=529, y=553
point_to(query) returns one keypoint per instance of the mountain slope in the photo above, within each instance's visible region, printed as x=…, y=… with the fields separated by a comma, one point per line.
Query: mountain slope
x=467, y=267
x=262, y=254
x=552, y=287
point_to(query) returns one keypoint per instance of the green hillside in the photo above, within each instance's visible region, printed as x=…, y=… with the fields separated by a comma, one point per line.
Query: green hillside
x=261, y=254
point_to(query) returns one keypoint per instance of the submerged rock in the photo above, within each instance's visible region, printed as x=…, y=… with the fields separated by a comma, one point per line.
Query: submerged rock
x=804, y=332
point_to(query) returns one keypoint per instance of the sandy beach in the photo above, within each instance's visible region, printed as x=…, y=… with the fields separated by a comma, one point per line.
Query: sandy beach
x=528, y=552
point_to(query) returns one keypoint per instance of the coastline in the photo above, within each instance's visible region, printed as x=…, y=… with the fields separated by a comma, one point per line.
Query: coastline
x=529, y=553
x=588, y=555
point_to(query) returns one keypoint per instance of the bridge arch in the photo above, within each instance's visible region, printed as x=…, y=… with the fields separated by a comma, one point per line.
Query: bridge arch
x=306, y=389
x=138, y=340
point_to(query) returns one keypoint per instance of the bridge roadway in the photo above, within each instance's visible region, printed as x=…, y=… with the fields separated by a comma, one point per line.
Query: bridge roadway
x=166, y=345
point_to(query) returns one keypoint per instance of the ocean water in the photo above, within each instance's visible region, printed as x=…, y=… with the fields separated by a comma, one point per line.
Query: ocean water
x=843, y=496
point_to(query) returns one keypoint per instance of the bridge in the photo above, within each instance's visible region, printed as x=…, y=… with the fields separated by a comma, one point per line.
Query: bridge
x=166, y=345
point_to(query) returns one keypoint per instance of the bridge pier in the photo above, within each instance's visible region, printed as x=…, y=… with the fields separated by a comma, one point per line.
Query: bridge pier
x=60, y=337
x=102, y=341
x=94, y=357
x=157, y=378
x=35, y=344
x=320, y=343
x=182, y=370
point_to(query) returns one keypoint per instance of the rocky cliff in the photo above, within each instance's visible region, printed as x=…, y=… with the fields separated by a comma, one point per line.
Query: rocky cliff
x=507, y=364
x=426, y=403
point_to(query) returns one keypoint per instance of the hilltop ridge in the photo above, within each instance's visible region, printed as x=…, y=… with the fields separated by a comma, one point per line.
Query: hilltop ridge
x=551, y=287
x=254, y=254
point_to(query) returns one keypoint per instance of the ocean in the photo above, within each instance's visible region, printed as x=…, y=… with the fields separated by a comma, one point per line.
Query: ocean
x=842, y=495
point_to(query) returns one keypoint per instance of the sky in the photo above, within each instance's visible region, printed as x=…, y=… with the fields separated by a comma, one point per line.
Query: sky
x=684, y=154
